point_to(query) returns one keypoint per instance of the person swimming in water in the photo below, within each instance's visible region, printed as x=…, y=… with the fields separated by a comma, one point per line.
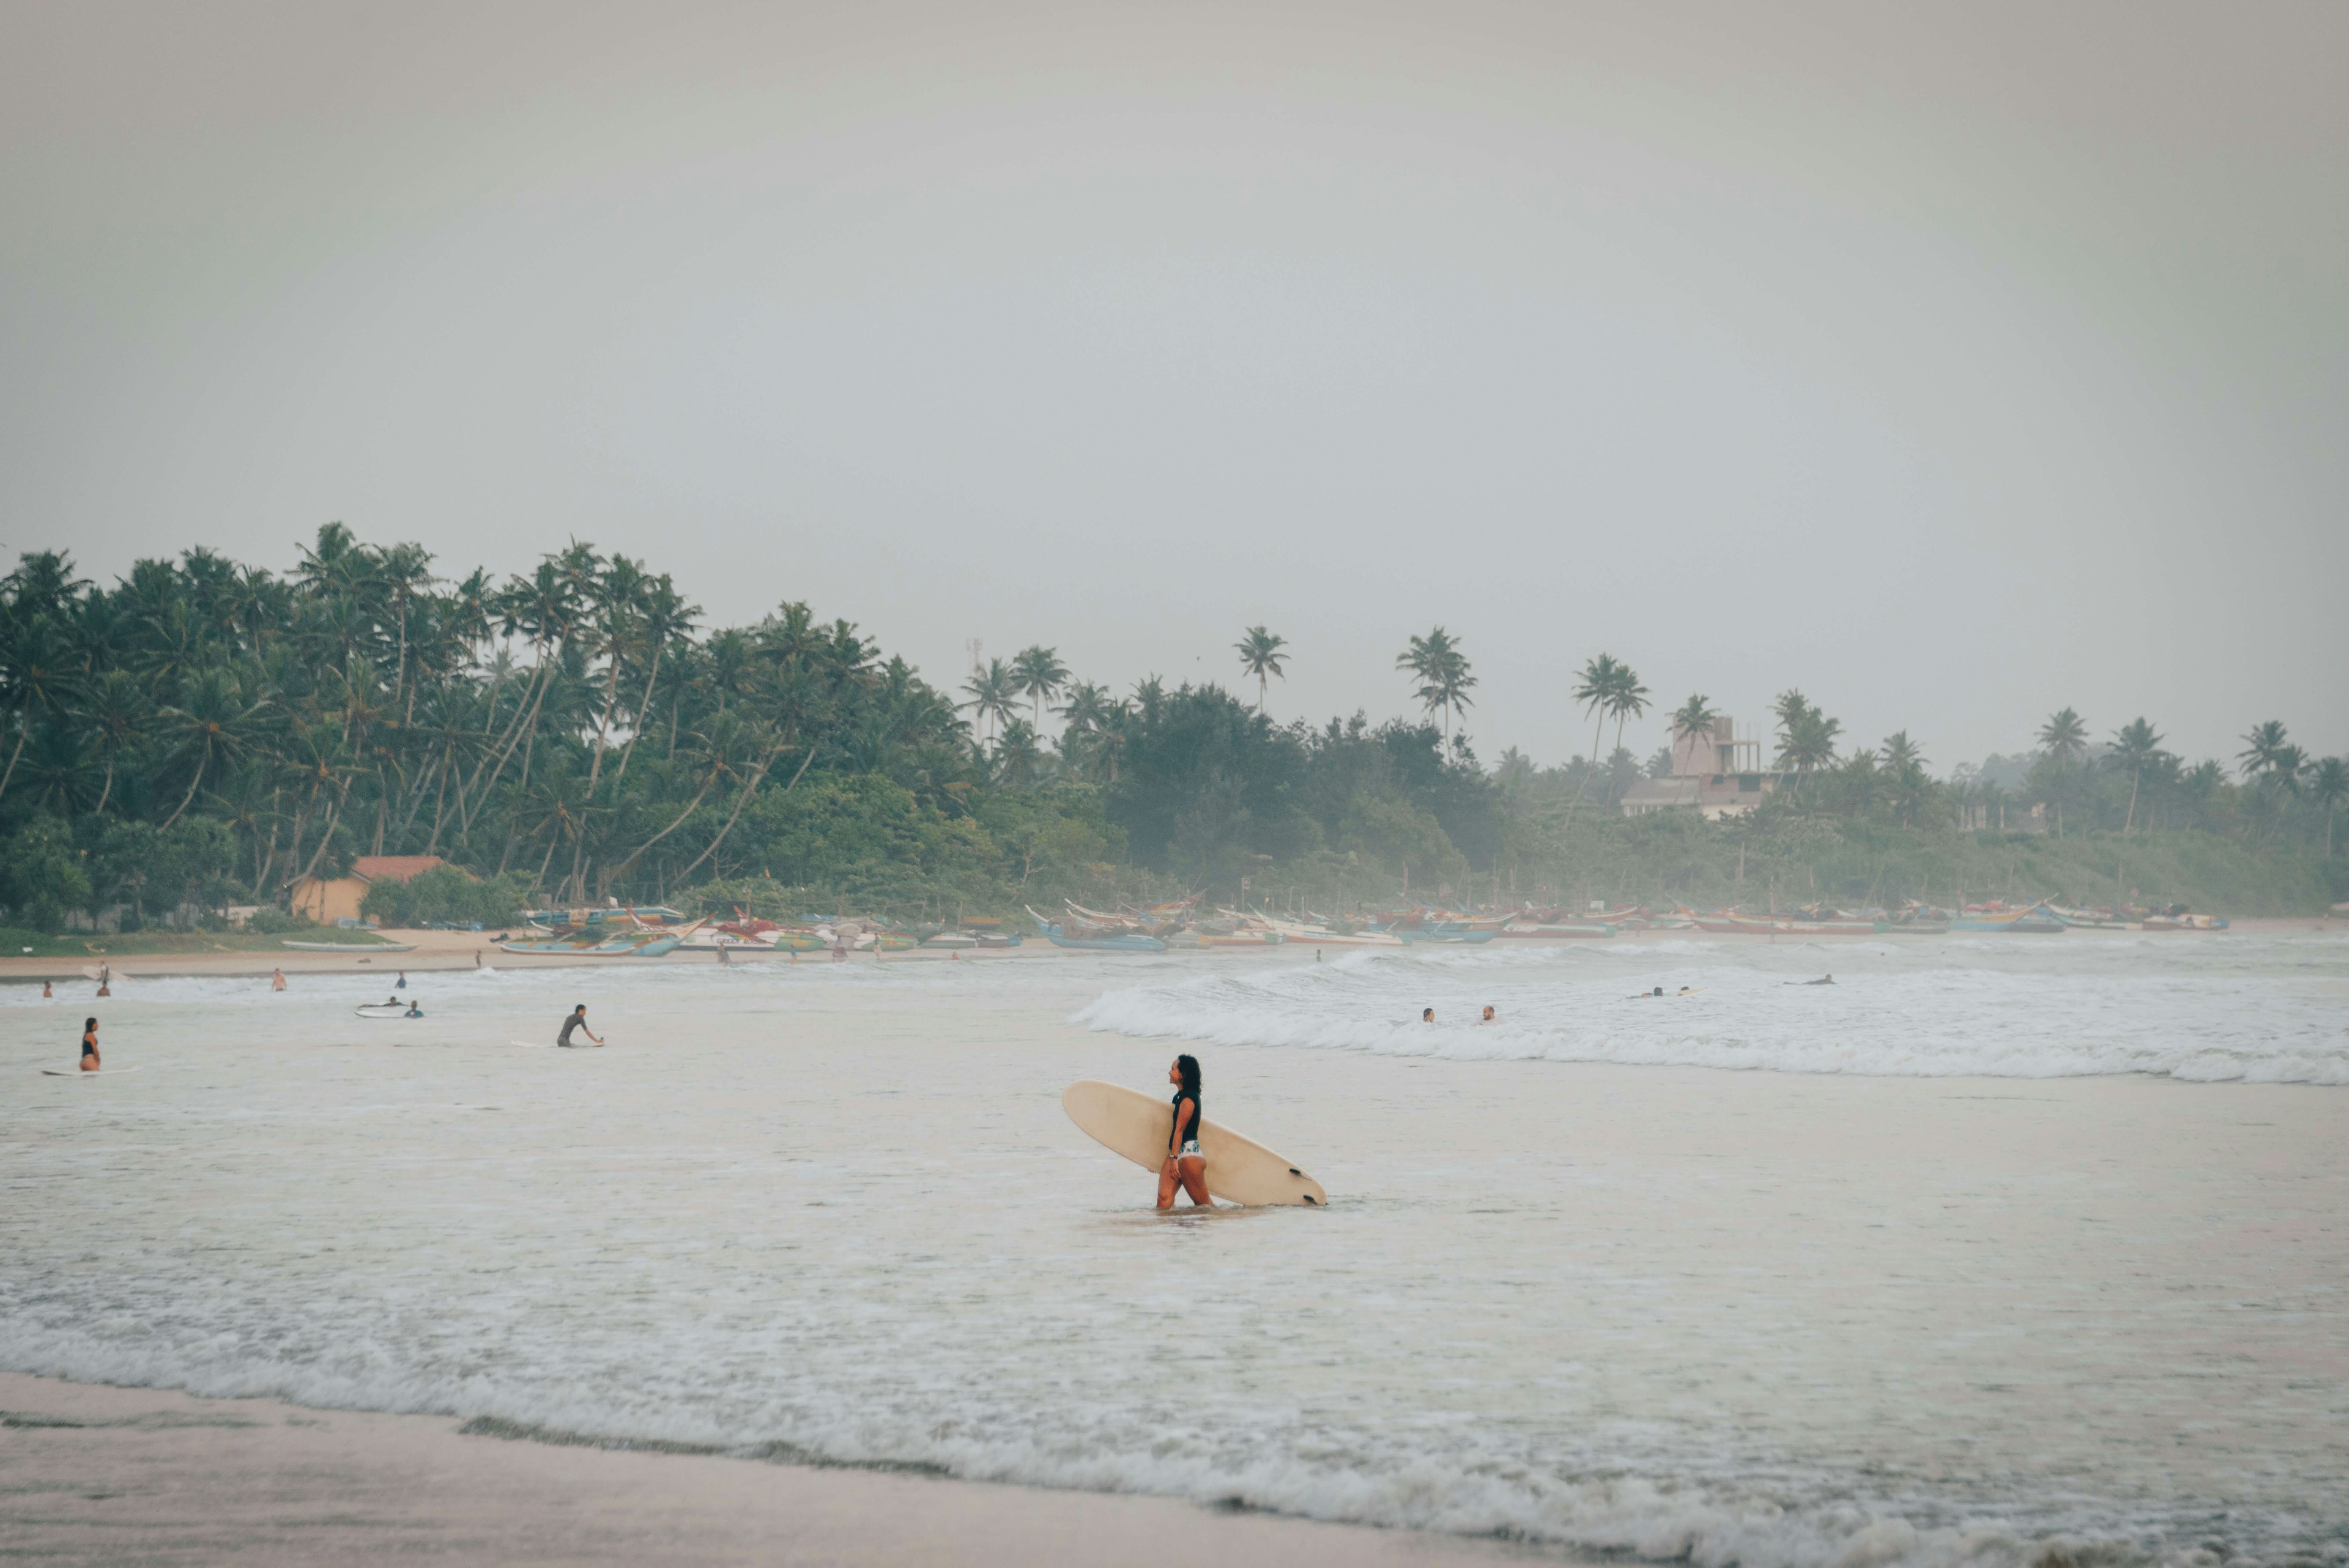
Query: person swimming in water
x=415, y=1009
x=401, y=983
x=90, y=1063
x=276, y=980
x=1823, y=980
x=1427, y=1015
x=579, y=1020
x=1489, y=1017
x=47, y=994
x=1185, y=1167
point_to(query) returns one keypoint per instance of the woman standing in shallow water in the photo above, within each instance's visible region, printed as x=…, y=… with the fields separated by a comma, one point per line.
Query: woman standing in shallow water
x=90, y=1044
x=1184, y=1166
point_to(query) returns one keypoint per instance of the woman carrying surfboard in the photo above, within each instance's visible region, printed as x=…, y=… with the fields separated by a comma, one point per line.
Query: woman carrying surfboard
x=1184, y=1166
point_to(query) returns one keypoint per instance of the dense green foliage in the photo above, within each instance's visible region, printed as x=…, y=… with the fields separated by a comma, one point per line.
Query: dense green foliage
x=204, y=733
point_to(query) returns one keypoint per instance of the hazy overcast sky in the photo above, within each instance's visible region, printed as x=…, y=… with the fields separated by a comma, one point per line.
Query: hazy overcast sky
x=1952, y=368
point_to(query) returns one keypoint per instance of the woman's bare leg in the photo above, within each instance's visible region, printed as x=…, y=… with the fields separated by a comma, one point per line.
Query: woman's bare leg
x=1167, y=1185
x=1195, y=1183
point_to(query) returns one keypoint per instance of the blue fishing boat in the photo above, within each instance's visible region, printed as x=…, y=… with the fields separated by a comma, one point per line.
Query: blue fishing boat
x=1096, y=940
x=602, y=944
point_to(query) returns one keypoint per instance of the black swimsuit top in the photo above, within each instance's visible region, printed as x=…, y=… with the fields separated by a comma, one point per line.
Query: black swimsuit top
x=1175, y=1137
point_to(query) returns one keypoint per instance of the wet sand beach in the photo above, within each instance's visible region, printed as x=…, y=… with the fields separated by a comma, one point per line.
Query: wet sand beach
x=122, y=1477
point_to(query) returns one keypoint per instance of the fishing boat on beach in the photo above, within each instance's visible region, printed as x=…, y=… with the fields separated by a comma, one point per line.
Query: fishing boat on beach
x=647, y=931
x=1791, y=923
x=1098, y=939
x=2032, y=919
x=1326, y=933
x=1551, y=925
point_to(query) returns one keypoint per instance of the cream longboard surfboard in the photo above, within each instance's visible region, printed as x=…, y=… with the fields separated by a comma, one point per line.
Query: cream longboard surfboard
x=1239, y=1169
x=78, y=1072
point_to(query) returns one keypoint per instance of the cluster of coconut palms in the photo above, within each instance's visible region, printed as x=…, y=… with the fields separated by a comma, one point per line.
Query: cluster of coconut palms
x=567, y=722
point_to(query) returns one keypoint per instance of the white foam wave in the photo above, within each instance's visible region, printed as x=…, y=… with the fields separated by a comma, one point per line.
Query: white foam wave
x=1596, y=1495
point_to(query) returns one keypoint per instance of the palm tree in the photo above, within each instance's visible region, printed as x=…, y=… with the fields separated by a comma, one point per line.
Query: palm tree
x=2263, y=745
x=212, y=722
x=2328, y=786
x=1443, y=672
x=1017, y=754
x=2065, y=736
x=1260, y=656
x=1038, y=674
x=1628, y=700
x=1807, y=737
x=1693, y=719
x=2135, y=747
x=665, y=618
x=617, y=597
x=401, y=573
x=2288, y=769
x=112, y=708
x=1594, y=689
x=992, y=691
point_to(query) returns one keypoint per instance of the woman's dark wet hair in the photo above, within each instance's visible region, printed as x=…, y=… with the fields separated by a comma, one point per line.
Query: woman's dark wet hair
x=1188, y=1066
x=90, y=1024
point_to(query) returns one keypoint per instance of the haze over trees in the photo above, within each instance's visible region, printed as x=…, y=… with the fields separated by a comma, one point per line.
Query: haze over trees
x=204, y=733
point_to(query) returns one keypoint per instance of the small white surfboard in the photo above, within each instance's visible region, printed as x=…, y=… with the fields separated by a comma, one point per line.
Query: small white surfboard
x=1239, y=1169
x=78, y=1072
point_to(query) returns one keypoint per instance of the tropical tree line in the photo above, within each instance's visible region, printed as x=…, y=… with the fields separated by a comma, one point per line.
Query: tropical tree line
x=204, y=734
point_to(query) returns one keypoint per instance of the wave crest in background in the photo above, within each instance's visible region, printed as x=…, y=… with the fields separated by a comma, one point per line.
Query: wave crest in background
x=2252, y=1010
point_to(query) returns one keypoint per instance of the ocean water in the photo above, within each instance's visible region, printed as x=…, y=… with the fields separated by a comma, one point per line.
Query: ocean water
x=1996, y=1252
x=2252, y=1008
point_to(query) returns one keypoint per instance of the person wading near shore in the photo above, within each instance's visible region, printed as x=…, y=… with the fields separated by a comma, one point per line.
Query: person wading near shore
x=579, y=1020
x=90, y=1044
x=1184, y=1164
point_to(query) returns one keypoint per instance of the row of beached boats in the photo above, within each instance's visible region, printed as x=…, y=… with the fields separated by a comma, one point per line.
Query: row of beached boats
x=1181, y=926
x=1168, y=928
x=649, y=931
x=2040, y=919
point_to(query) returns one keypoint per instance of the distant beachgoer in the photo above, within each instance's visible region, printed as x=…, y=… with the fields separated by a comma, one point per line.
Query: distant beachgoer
x=402, y=983
x=1427, y=1015
x=90, y=1044
x=276, y=980
x=1489, y=1017
x=477, y=957
x=414, y=1008
x=46, y=993
x=579, y=1020
x=1824, y=979
x=1184, y=1166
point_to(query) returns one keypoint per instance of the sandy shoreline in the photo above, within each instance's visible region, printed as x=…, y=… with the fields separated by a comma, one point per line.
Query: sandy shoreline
x=122, y=1476
x=432, y=951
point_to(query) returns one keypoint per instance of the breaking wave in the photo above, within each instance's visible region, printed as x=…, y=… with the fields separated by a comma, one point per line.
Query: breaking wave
x=1987, y=1008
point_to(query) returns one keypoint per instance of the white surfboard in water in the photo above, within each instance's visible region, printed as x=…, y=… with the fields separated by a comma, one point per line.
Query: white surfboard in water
x=78, y=1072
x=1239, y=1169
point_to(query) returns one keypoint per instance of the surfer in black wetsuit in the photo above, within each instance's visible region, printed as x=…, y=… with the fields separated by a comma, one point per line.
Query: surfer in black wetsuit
x=89, y=1045
x=1184, y=1166
x=579, y=1020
